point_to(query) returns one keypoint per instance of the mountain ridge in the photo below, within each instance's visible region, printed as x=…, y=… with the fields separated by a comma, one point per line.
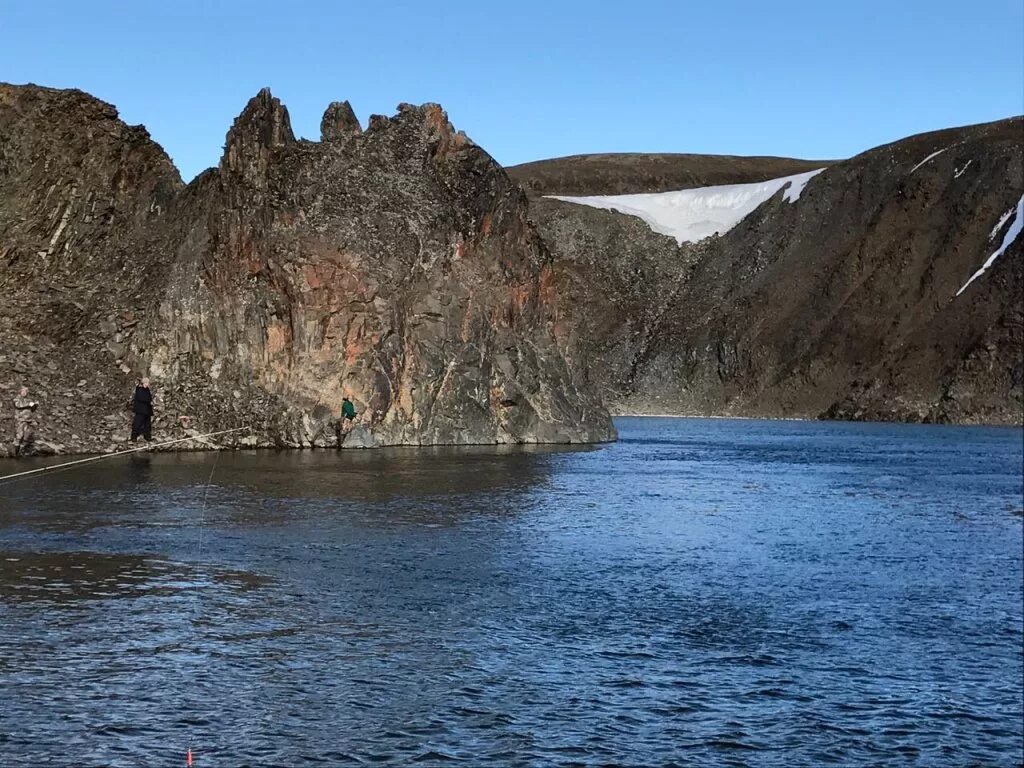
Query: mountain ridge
x=639, y=172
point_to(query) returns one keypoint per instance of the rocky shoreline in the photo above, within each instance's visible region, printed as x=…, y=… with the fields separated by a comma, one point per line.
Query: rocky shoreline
x=180, y=440
x=361, y=438
x=183, y=440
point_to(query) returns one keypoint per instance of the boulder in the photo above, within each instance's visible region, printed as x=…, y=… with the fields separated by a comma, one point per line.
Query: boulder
x=359, y=437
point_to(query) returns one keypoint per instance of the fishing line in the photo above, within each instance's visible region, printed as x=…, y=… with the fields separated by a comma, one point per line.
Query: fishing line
x=197, y=613
x=54, y=467
x=6, y=479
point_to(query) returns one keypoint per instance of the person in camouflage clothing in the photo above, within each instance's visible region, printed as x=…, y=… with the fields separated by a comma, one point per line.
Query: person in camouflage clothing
x=24, y=422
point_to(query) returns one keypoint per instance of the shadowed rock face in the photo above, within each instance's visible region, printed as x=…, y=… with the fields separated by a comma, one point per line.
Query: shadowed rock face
x=842, y=304
x=394, y=265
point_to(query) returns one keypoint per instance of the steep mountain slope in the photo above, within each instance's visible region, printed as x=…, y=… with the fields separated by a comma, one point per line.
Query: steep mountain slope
x=632, y=173
x=78, y=191
x=395, y=265
x=841, y=303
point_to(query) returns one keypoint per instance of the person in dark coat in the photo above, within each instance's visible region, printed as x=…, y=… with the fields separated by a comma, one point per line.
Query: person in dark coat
x=24, y=420
x=142, y=408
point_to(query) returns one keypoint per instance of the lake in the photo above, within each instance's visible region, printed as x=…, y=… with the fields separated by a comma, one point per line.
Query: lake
x=703, y=592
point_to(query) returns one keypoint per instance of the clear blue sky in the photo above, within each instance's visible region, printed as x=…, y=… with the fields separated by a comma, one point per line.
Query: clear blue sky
x=529, y=79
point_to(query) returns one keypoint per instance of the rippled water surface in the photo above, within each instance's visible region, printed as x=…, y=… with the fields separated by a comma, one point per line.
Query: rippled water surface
x=700, y=593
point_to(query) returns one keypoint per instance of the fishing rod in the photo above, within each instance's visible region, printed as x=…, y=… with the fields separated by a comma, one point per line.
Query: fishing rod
x=147, y=447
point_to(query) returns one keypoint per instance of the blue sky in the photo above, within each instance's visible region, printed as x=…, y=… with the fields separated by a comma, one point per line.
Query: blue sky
x=530, y=80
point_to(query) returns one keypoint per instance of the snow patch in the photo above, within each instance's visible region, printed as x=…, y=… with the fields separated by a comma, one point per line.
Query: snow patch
x=999, y=224
x=690, y=215
x=960, y=172
x=933, y=154
x=1008, y=238
x=796, y=189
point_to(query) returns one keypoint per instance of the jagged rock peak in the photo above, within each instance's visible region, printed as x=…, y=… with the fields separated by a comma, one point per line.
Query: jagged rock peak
x=429, y=114
x=437, y=129
x=429, y=111
x=339, y=122
x=262, y=125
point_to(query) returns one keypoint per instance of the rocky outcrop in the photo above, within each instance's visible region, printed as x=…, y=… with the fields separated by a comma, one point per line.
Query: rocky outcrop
x=842, y=304
x=339, y=122
x=395, y=265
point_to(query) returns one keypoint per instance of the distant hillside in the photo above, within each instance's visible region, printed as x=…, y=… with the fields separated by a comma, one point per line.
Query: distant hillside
x=887, y=288
x=623, y=174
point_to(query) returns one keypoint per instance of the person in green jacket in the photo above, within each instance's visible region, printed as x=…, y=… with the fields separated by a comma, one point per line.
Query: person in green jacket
x=348, y=411
x=347, y=420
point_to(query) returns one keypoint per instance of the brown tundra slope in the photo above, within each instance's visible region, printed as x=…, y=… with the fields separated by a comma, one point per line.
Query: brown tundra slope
x=841, y=304
x=394, y=265
x=630, y=173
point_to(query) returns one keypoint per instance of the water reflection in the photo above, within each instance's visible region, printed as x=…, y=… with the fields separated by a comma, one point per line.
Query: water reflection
x=249, y=487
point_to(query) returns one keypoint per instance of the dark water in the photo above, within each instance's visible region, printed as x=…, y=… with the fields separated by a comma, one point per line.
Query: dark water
x=701, y=593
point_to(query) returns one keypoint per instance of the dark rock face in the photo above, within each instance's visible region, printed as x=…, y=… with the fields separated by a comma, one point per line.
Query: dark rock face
x=79, y=190
x=842, y=304
x=621, y=282
x=396, y=266
x=399, y=266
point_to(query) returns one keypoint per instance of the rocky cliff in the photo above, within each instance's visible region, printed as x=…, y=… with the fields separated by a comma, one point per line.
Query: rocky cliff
x=842, y=303
x=395, y=265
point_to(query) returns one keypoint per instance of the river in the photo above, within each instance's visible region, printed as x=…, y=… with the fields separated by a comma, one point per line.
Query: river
x=703, y=592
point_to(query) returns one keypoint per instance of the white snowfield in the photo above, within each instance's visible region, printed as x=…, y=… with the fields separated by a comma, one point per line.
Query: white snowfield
x=1011, y=235
x=999, y=224
x=961, y=171
x=933, y=154
x=690, y=215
